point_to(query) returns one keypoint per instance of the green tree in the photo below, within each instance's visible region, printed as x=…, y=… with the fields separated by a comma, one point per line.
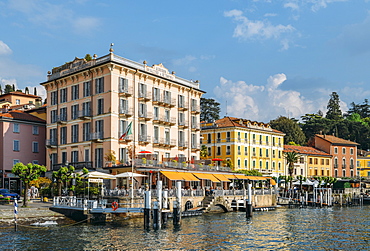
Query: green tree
x=333, y=107
x=26, y=91
x=250, y=172
x=8, y=89
x=301, y=179
x=35, y=91
x=315, y=124
x=291, y=158
x=293, y=132
x=203, y=152
x=209, y=110
x=27, y=173
x=63, y=176
x=88, y=57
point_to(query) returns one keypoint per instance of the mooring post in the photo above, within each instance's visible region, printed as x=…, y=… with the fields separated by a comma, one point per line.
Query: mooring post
x=248, y=208
x=147, y=208
x=15, y=214
x=157, y=207
x=177, y=205
x=321, y=198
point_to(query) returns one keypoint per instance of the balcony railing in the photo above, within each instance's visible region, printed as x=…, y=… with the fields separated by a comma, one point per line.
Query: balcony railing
x=195, y=109
x=144, y=138
x=145, y=95
x=125, y=90
x=76, y=165
x=96, y=136
x=62, y=119
x=126, y=111
x=344, y=166
x=145, y=115
x=183, y=143
x=183, y=123
x=84, y=113
x=183, y=105
x=51, y=142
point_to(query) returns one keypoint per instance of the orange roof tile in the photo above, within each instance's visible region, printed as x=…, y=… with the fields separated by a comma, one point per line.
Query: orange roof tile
x=20, y=115
x=335, y=140
x=304, y=150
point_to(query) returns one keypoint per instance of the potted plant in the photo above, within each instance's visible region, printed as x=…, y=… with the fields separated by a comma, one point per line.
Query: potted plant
x=110, y=157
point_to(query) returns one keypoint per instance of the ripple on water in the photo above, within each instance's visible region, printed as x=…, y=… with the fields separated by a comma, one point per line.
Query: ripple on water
x=283, y=229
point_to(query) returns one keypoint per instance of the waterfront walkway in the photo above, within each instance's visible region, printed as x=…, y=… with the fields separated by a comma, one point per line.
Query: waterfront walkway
x=35, y=211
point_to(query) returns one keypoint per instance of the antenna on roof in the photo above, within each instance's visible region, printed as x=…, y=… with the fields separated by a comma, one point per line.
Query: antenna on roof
x=111, y=47
x=226, y=108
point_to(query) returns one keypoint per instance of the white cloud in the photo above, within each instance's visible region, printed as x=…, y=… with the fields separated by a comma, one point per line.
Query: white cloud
x=184, y=61
x=264, y=102
x=248, y=29
x=85, y=24
x=318, y=4
x=4, y=48
x=52, y=16
x=291, y=5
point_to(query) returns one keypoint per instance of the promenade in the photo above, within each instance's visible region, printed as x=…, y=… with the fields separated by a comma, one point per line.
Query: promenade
x=36, y=211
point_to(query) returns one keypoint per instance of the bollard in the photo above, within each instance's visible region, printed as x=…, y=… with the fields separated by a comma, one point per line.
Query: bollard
x=249, y=209
x=147, y=208
x=176, y=213
x=156, y=216
x=15, y=214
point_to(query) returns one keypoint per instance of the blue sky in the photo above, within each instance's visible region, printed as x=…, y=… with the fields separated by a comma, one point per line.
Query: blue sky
x=260, y=59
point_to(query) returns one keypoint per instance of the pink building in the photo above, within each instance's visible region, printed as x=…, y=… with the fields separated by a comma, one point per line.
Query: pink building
x=22, y=140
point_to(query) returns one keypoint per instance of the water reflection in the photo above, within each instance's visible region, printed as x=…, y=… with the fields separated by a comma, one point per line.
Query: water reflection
x=284, y=229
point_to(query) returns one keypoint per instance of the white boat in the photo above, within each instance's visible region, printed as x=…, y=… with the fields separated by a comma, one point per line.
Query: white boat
x=45, y=224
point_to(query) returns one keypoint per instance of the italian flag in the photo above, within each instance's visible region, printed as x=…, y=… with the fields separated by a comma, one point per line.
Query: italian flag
x=127, y=132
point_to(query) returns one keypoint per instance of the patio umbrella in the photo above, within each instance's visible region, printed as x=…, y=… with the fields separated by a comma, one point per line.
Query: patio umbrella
x=129, y=175
x=217, y=159
x=98, y=175
x=145, y=152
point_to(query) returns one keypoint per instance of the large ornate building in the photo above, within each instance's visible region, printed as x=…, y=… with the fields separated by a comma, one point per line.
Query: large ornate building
x=92, y=104
x=248, y=144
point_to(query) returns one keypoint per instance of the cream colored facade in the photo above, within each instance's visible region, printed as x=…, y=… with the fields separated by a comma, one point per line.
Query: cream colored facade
x=91, y=104
x=248, y=144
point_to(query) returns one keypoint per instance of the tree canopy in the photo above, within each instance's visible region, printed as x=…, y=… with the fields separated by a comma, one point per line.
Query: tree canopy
x=333, y=107
x=210, y=109
x=27, y=173
x=293, y=133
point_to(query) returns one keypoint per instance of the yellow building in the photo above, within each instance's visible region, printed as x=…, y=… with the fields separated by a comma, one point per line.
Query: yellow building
x=312, y=162
x=248, y=144
x=363, y=166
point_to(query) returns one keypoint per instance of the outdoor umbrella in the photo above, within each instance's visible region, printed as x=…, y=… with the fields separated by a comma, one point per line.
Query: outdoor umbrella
x=145, y=152
x=98, y=175
x=217, y=159
x=129, y=175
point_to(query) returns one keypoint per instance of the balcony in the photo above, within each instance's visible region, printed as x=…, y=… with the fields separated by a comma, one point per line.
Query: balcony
x=156, y=99
x=183, y=124
x=124, y=111
x=344, y=166
x=156, y=141
x=51, y=143
x=167, y=121
x=218, y=140
x=97, y=136
x=156, y=119
x=145, y=96
x=145, y=115
x=183, y=106
x=183, y=144
x=351, y=166
x=84, y=114
x=195, y=126
x=335, y=165
x=125, y=139
x=144, y=139
x=245, y=140
x=62, y=119
x=125, y=91
x=228, y=139
x=195, y=109
x=169, y=102
x=76, y=165
x=195, y=147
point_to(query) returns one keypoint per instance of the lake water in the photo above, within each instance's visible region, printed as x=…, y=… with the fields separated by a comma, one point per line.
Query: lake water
x=283, y=229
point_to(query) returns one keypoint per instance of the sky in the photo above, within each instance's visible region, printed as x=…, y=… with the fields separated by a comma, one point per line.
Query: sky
x=260, y=59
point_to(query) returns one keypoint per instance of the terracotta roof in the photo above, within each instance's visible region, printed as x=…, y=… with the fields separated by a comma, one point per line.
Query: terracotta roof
x=20, y=115
x=244, y=123
x=20, y=94
x=335, y=140
x=304, y=150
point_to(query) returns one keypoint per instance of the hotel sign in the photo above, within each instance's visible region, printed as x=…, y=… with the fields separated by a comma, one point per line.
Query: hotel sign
x=95, y=180
x=159, y=70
